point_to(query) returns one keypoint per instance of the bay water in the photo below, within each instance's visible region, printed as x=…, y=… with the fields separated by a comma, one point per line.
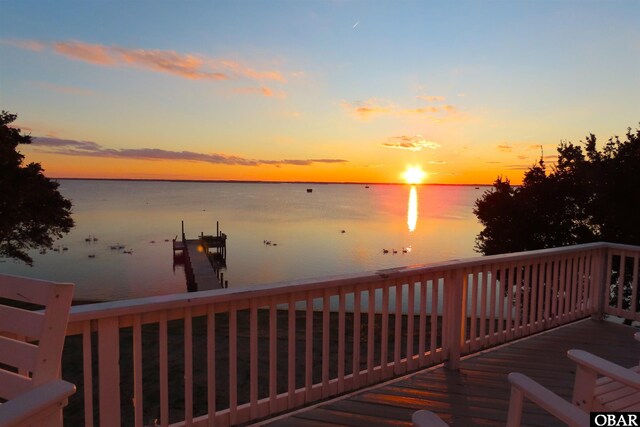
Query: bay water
x=331, y=230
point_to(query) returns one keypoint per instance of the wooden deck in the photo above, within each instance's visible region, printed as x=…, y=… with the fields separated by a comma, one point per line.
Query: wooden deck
x=477, y=395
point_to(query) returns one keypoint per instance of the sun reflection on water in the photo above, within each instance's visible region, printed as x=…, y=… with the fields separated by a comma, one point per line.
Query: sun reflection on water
x=412, y=209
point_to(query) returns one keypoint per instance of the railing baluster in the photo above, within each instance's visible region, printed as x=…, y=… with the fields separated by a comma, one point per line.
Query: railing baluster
x=492, y=303
x=501, y=287
x=634, y=287
x=397, y=324
x=509, y=281
x=621, y=278
x=518, y=278
x=371, y=320
x=233, y=362
x=526, y=296
x=422, y=322
x=341, y=339
x=273, y=351
x=384, y=342
x=473, y=315
x=435, y=290
x=188, y=367
x=411, y=292
x=544, y=266
x=138, y=396
x=574, y=287
x=560, y=290
x=164, y=370
x=291, y=343
x=211, y=365
x=325, y=343
x=87, y=373
x=253, y=358
x=308, y=349
x=357, y=308
x=551, y=269
x=606, y=292
x=483, y=282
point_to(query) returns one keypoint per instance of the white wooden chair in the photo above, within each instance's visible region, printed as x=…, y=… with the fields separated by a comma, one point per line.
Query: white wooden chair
x=521, y=387
x=601, y=385
x=31, y=345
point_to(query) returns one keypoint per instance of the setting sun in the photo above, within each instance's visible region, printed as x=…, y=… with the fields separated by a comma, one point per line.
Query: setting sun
x=414, y=175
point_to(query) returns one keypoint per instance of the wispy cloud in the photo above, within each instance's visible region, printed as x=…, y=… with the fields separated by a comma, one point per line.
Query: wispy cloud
x=430, y=98
x=69, y=147
x=263, y=90
x=375, y=107
x=518, y=167
x=412, y=143
x=505, y=148
x=186, y=65
x=25, y=44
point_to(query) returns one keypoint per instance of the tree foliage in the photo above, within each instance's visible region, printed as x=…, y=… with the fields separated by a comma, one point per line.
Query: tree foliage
x=590, y=194
x=32, y=211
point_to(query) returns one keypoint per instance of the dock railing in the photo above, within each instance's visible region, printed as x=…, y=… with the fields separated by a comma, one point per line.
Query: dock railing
x=232, y=356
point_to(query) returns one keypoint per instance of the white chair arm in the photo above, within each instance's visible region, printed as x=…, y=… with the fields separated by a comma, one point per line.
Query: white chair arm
x=549, y=401
x=424, y=418
x=605, y=368
x=27, y=408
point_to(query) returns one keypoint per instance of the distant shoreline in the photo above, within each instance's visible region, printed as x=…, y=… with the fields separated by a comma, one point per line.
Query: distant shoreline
x=230, y=181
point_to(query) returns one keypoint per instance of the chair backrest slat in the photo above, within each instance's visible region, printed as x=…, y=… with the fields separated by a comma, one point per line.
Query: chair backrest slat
x=20, y=355
x=16, y=321
x=22, y=289
x=12, y=384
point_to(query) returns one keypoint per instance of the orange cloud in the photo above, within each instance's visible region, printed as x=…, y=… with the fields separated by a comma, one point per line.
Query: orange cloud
x=430, y=98
x=412, y=143
x=189, y=66
x=94, y=54
x=375, y=107
x=505, y=148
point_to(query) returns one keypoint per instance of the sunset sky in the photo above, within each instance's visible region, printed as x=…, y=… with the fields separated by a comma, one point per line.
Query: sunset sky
x=315, y=90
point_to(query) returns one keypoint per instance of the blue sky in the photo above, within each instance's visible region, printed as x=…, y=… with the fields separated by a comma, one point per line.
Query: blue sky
x=318, y=90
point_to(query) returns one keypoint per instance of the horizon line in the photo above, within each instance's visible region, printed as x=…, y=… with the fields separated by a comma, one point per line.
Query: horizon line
x=233, y=181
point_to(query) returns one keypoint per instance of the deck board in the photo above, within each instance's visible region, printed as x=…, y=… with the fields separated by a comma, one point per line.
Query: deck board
x=478, y=394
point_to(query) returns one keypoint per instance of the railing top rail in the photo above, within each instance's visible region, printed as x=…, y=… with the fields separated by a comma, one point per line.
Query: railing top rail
x=166, y=302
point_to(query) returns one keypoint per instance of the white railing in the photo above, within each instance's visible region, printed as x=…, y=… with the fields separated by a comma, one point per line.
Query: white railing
x=234, y=355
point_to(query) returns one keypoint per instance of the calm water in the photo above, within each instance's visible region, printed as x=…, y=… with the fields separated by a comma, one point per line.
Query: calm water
x=433, y=223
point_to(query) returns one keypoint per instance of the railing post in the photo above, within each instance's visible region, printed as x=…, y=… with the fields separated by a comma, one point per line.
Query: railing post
x=452, y=318
x=109, y=371
x=600, y=286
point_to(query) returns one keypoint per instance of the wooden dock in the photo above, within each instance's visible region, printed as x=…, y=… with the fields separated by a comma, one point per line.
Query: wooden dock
x=203, y=259
x=205, y=276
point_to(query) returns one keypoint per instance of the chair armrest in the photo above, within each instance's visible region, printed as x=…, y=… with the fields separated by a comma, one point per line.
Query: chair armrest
x=549, y=401
x=427, y=419
x=46, y=398
x=605, y=368
x=637, y=336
